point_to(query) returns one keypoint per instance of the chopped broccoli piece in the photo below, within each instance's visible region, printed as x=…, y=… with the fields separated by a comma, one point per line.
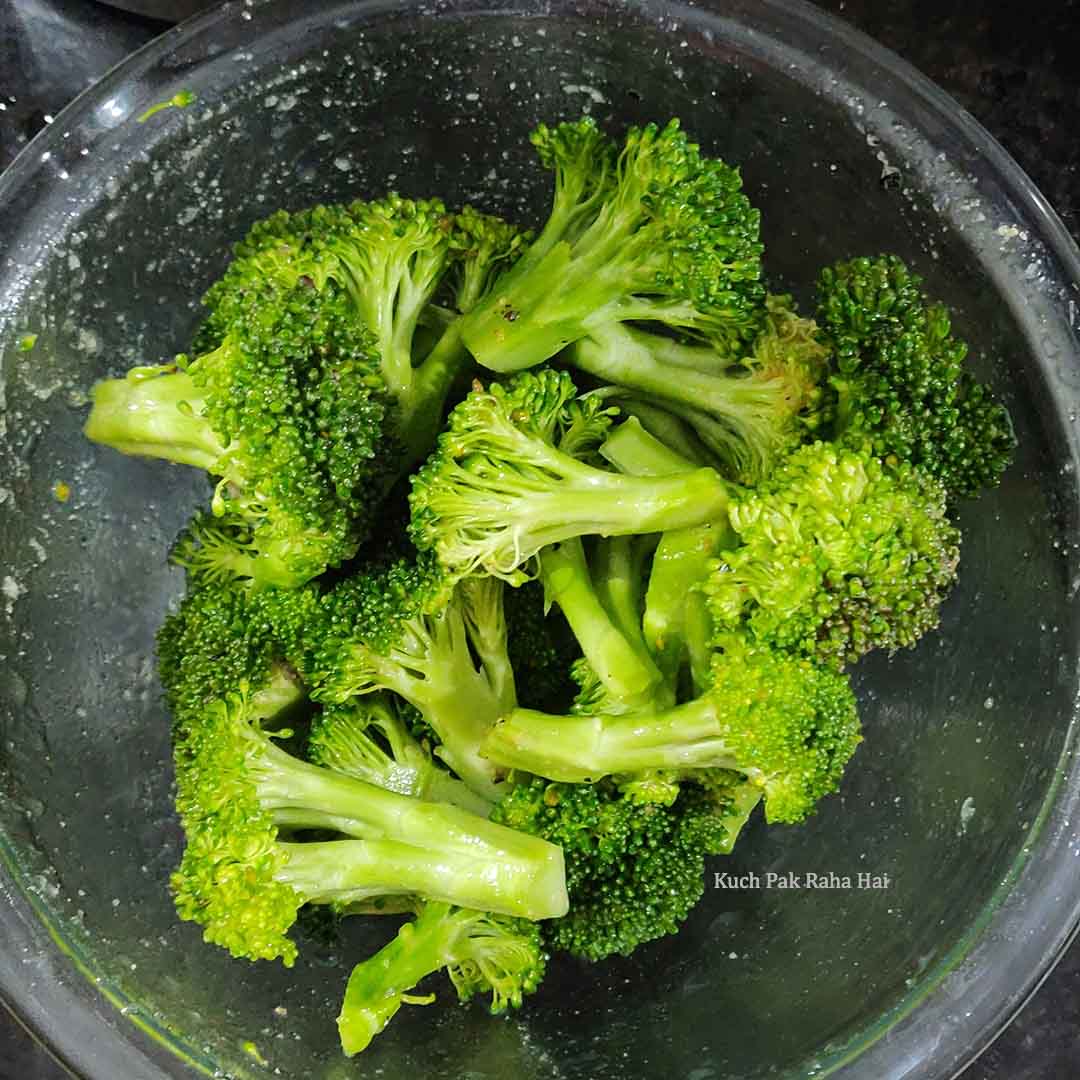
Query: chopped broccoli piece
x=241, y=797
x=289, y=412
x=482, y=953
x=652, y=232
x=748, y=408
x=634, y=870
x=836, y=555
x=788, y=725
x=900, y=380
x=499, y=488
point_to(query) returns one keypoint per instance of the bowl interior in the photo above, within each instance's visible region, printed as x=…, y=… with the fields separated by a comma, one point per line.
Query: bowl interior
x=109, y=251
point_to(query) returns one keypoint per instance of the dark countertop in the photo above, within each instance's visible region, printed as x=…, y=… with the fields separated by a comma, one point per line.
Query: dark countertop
x=1014, y=68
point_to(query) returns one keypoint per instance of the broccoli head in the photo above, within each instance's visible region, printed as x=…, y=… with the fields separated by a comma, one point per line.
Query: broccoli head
x=246, y=805
x=634, y=868
x=651, y=232
x=836, y=555
x=499, y=486
x=900, y=378
x=288, y=412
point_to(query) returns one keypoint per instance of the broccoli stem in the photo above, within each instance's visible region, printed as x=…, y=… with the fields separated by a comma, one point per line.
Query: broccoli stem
x=626, y=672
x=583, y=749
x=681, y=562
x=346, y=871
x=422, y=399
x=538, y=311
x=154, y=416
x=618, y=572
x=436, y=850
x=744, y=797
x=662, y=424
x=635, y=452
x=597, y=502
x=480, y=953
x=698, y=639
x=663, y=369
x=280, y=692
x=436, y=786
x=499, y=869
x=346, y=745
x=379, y=986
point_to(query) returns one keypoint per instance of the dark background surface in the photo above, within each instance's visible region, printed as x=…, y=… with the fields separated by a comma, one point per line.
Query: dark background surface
x=1015, y=67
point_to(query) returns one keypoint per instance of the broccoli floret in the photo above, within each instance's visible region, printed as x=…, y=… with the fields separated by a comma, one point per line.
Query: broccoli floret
x=633, y=869
x=499, y=487
x=748, y=409
x=482, y=954
x=389, y=255
x=225, y=633
x=303, y=397
x=652, y=232
x=836, y=555
x=394, y=257
x=481, y=247
x=368, y=739
x=397, y=629
x=289, y=412
x=786, y=724
x=243, y=801
x=900, y=380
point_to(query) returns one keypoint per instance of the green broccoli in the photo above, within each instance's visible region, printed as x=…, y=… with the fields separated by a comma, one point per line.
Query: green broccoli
x=481, y=952
x=748, y=409
x=834, y=555
x=225, y=633
x=499, y=486
x=395, y=256
x=900, y=381
x=246, y=804
x=786, y=724
x=634, y=869
x=289, y=411
x=674, y=606
x=652, y=232
x=879, y=366
x=396, y=629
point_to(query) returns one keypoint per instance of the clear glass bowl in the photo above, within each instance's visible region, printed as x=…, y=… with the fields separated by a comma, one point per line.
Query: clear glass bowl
x=964, y=793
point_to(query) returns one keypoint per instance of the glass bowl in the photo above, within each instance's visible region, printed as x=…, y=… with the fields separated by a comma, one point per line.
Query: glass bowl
x=945, y=872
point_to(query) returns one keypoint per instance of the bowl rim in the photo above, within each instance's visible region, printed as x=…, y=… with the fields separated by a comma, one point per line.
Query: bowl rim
x=78, y=1020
